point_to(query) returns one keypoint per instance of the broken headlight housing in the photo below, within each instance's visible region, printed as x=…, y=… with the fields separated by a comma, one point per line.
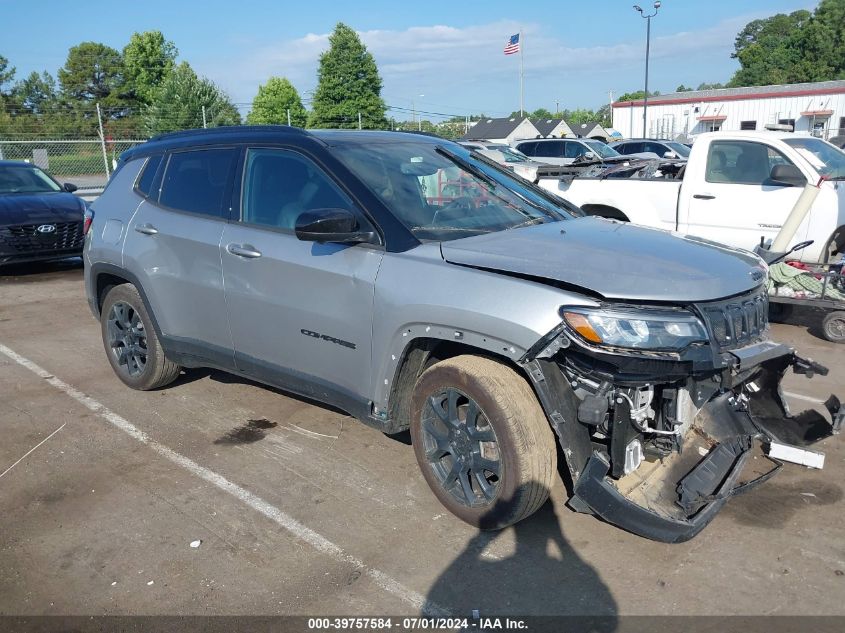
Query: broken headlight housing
x=670, y=330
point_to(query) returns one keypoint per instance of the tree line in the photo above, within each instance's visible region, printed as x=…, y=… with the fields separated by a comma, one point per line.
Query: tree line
x=141, y=90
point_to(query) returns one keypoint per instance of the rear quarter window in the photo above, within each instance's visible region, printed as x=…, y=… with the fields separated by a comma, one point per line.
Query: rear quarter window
x=199, y=181
x=144, y=184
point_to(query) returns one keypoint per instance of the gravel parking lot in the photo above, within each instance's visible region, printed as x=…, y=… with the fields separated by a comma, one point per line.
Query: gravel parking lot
x=299, y=509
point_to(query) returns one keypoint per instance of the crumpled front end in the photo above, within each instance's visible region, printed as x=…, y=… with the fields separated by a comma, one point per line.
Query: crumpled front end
x=657, y=442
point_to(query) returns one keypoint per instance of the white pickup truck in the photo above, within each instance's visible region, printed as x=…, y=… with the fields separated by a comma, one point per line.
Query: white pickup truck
x=736, y=188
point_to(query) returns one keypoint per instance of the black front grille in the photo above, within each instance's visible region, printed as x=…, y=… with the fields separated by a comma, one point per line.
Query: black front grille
x=738, y=321
x=26, y=238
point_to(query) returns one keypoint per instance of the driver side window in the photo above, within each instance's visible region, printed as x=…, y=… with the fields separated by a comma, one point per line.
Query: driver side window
x=280, y=185
x=742, y=162
x=574, y=150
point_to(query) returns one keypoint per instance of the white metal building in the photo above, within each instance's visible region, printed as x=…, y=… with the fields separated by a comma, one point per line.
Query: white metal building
x=817, y=108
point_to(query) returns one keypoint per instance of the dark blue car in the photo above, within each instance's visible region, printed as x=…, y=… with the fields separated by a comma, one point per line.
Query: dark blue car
x=39, y=218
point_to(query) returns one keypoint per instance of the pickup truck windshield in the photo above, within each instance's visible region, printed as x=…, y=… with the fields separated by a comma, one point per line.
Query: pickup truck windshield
x=447, y=192
x=25, y=179
x=824, y=157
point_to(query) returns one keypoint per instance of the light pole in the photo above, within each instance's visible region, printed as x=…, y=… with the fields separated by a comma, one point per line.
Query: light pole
x=414, y=115
x=639, y=9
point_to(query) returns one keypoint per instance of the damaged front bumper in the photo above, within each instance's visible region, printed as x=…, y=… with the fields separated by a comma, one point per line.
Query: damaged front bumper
x=738, y=433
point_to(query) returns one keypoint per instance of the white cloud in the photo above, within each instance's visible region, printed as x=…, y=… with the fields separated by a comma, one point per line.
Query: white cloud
x=466, y=68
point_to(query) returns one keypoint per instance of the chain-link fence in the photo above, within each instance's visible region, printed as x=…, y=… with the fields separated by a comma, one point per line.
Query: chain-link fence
x=85, y=163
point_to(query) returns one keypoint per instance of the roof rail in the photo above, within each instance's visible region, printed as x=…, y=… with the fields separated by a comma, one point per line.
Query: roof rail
x=229, y=129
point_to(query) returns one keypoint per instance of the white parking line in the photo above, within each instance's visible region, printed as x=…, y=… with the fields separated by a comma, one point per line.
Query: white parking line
x=300, y=531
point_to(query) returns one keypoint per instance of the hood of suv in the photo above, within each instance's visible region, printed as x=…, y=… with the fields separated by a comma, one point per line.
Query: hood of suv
x=615, y=260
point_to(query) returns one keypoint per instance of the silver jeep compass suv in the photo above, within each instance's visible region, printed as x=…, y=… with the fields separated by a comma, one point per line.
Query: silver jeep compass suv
x=418, y=285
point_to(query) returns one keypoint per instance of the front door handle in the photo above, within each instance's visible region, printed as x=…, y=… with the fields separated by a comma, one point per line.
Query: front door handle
x=703, y=196
x=243, y=250
x=146, y=229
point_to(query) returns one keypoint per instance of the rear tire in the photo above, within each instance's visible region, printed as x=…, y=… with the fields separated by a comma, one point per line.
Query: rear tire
x=482, y=441
x=130, y=341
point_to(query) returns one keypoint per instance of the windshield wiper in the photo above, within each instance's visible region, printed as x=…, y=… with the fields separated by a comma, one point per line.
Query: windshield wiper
x=527, y=222
x=466, y=166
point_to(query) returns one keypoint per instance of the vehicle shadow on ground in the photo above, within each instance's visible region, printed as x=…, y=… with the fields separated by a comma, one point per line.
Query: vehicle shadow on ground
x=190, y=375
x=806, y=317
x=528, y=569
x=32, y=270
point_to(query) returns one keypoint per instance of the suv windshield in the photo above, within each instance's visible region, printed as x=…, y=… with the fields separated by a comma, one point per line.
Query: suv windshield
x=824, y=157
x=601, y=150
x=679, y=148
x=510, y=155
x=25, y=179
x=445, y=192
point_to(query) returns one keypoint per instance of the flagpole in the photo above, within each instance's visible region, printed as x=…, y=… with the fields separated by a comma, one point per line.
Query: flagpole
x=521, y=74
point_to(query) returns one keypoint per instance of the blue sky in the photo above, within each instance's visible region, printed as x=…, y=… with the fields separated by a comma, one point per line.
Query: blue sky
x=448, y=52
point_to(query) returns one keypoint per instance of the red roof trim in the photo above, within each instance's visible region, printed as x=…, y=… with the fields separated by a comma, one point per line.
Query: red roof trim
x=713, y=117
x=742, y=97
x=817, y=113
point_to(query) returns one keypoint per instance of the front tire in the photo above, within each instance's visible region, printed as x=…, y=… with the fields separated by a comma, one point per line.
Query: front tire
x=130, y=341
x=482, y=441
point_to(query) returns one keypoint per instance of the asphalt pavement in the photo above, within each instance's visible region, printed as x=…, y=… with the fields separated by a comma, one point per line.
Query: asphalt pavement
x=217, y=495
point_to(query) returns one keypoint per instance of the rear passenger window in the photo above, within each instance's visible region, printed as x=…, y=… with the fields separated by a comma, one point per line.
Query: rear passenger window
x=198, y=181
x=145, y=182
x=552, y=149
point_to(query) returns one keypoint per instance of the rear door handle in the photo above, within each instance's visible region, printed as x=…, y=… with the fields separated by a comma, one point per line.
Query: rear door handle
x=243, y=250
x=703, y=196
x=146, y=229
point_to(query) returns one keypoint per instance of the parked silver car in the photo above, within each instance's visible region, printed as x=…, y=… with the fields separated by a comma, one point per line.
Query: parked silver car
x=418, y=286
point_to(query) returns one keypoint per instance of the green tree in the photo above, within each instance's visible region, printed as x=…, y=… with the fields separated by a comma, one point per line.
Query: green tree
x=178, y=103
x=147, y=59
x=273, y=101
x=683, y=88
x=36, y=93
x=637, y=95
x=7, y=75
x=348, y=85
x=92, y=73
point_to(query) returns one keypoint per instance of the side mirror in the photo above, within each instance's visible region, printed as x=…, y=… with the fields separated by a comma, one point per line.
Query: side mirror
x=338, y=226
x=669, y=154
x=589, y=155
x=787, y=175
x=69, y=187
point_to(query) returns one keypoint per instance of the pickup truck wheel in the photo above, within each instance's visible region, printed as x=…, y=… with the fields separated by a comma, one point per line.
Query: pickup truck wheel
x=833, y=327
x=132, y=347
x=482, y=441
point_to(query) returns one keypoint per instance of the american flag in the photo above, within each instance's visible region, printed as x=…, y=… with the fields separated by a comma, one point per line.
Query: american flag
x=513, y=45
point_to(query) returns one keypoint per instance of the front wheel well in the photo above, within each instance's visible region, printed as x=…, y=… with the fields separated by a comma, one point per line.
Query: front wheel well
x=419, y=355
x=605, y=211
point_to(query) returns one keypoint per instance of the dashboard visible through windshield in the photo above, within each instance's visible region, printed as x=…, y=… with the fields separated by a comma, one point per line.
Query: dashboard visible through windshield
x=445, y=192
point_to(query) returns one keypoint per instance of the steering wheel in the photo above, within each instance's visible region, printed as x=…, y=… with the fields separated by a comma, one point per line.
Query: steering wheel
x=460, y=204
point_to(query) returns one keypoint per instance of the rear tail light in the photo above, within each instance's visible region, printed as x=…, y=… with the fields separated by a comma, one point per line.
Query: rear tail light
x=88, y=219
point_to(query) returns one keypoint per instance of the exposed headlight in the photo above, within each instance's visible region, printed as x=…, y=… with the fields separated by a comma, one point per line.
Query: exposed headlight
x=634, y=329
